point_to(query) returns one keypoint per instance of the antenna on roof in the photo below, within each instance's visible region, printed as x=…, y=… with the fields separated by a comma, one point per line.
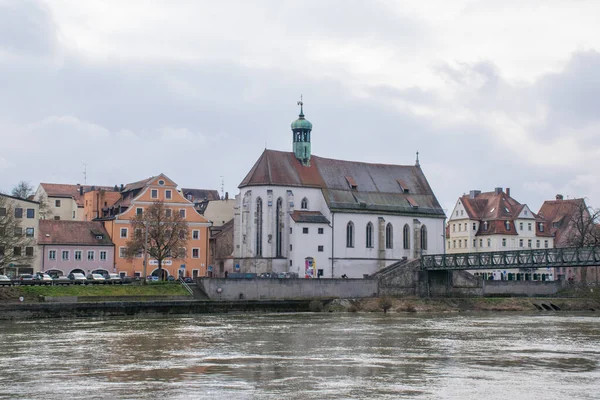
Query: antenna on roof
x=84, y=173
x=417, y=162
x=222, y=187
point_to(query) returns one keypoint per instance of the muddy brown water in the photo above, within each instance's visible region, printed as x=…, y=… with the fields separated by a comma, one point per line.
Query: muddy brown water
x=304, y=356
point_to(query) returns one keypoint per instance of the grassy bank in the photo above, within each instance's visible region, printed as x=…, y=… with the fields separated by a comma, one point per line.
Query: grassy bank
x=32, y=293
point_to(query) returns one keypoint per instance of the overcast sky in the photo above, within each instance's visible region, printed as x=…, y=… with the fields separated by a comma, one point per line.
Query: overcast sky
x=491, y=93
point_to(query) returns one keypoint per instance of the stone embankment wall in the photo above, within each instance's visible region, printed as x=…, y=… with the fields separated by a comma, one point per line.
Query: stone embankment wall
x=272, y=289
x=522, y=288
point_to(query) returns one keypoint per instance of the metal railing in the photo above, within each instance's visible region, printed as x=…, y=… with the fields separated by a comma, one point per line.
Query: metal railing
x=186, y=286
x=559, y=257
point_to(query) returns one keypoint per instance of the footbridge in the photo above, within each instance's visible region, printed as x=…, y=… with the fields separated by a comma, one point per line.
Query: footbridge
x=539, y=258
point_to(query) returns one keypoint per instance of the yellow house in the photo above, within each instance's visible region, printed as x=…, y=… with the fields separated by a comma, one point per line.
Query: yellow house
x=137, y=196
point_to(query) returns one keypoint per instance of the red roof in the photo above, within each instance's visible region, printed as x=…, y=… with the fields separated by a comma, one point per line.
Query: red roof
x=558, y=214
x=499, y=210
x=349, y=185
x=70, y=191
x=83, y=233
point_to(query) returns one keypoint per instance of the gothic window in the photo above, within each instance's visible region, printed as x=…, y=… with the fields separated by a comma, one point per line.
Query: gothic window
x=350, y=234
x=406, y=237
x=369, y=233
x=389, y=236
x=259, y=226
x=304, y=204
x=279, y=228
x=424, y=237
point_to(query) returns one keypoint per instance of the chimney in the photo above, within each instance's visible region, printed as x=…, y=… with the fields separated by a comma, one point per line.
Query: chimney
x=81, y=190
x=226, y=195
x=122, y=187
x=474, y=193
x=508, y=192
x=559, y=197
x=498, y=190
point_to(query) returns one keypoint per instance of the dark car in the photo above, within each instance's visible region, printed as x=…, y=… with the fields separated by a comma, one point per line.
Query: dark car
x=188, y=279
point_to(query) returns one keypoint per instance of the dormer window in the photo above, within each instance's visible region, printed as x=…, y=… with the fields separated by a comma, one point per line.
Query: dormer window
x=507, y=225
x=403, y=186
x=492, y=210
x=99, y=237
x=485, y=226
x=541, y=227
x=351, y=182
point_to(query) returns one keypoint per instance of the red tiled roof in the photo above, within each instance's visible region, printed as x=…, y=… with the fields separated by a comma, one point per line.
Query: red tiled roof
x=377, y=187
x=560, y=213
x=496, y=209
x=70, y=191
x=82, y=233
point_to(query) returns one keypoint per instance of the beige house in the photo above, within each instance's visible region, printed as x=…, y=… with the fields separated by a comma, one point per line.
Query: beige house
x=494, y=221
x=64, y=202
x=219, y=212
x=19, y=220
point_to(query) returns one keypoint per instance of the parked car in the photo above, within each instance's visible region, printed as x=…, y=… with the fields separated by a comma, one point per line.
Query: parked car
x=41, y=276
x=78, y=277
x=113, y=279
x=61, y=280
x=152, y=278
x=170, y=278
x=27, y=279
x=96, y=279
x=188, y=279
x=5, y=281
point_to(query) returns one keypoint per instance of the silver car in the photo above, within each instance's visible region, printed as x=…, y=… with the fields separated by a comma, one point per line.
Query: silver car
x=5, y=281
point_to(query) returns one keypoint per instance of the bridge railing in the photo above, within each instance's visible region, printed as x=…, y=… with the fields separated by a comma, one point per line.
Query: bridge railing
x=558, y=257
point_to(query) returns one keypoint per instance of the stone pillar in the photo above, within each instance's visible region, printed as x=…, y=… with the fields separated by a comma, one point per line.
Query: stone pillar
x=417, y=238
x=381, y=242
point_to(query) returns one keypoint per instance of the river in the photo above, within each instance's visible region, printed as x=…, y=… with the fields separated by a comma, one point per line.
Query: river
x=304, y=356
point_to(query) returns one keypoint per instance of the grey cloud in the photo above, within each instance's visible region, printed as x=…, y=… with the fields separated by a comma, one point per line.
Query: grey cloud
x=27, y=27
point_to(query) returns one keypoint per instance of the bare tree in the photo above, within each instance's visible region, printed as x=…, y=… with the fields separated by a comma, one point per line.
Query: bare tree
x=45, y=211
x=15, y=245
x=159, y=231
x=23, y=190
x=584, y=226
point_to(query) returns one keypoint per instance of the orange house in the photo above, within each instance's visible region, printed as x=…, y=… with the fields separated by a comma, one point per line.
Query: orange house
x=134, y=198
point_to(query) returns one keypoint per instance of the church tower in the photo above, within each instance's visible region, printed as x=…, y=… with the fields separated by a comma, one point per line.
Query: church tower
x=301, y=129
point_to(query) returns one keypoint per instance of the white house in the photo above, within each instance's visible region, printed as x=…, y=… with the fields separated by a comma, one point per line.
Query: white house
x=317, y=216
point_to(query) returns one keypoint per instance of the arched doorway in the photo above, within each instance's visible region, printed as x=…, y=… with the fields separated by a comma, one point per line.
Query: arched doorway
x=157, y=272
x=77, y=271
x=102, y=272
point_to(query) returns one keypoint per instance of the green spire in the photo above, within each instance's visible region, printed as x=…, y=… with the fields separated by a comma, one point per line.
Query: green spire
x=301, y=129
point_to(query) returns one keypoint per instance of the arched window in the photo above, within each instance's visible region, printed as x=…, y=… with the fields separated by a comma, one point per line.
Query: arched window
x=350, y=234
x=389, y=236
x=304, y=204
x=259, y=226
x=279, y=228
x=369, y=233
x=423, y=237
x=406, y=237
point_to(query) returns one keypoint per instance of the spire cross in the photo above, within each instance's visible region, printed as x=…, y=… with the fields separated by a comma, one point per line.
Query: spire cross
x=301, y=104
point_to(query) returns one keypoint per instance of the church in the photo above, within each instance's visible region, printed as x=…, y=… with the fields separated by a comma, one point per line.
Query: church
x=324, y=218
